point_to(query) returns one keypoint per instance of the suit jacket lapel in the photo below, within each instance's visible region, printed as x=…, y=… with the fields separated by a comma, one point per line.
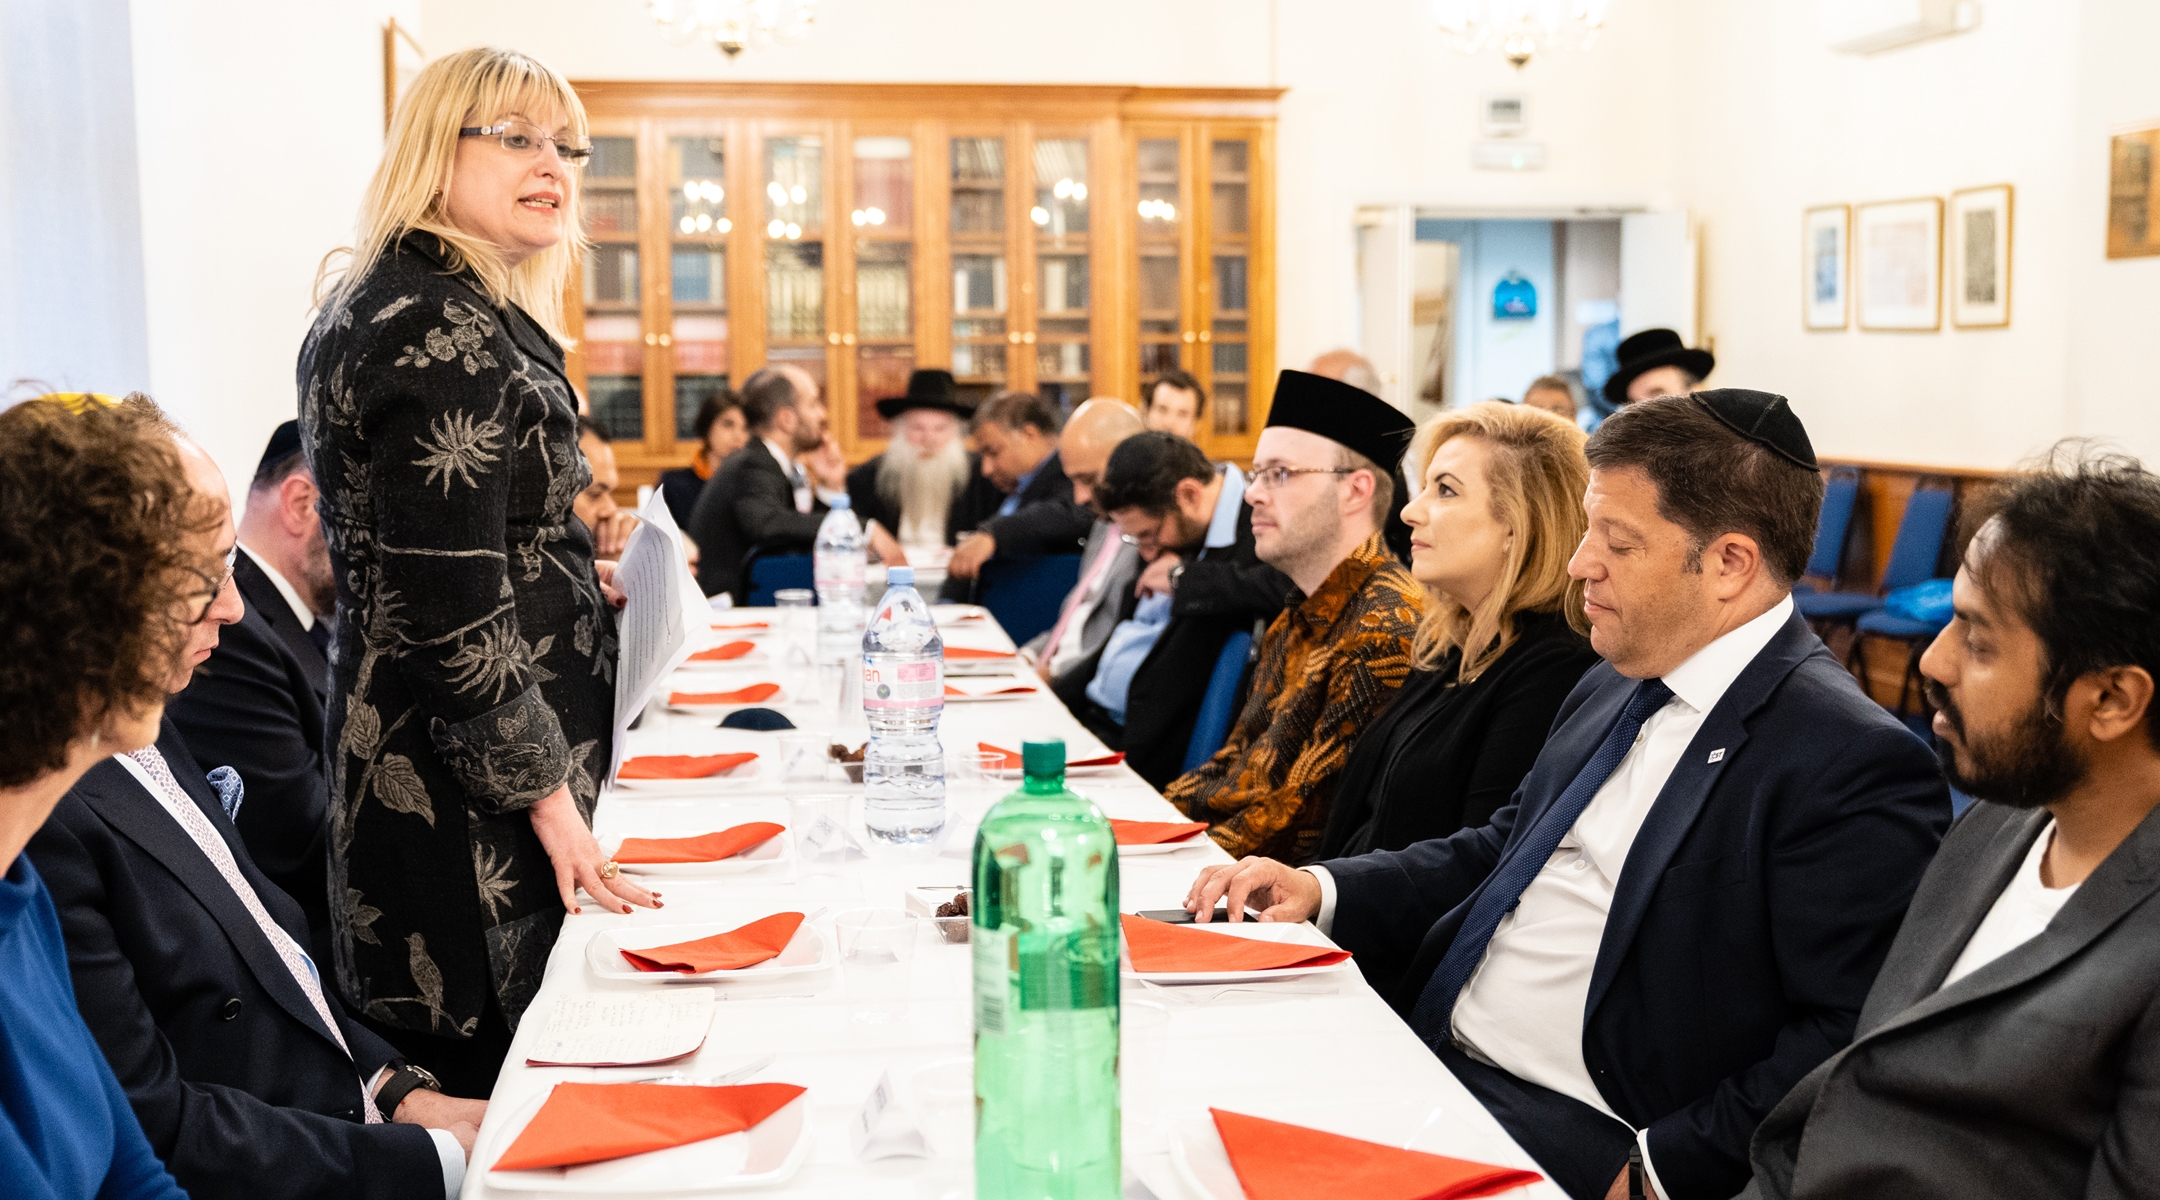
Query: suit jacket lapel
x=1686, y=790
x=121, y=801
x=264, y=598
x=2124, y=880
x=1940, y=922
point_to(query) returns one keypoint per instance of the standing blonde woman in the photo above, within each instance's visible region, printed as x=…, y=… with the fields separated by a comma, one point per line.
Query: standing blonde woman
x=1497, y=512
x=472, y=690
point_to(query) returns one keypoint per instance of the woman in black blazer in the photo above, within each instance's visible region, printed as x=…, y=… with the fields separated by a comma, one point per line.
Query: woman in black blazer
x=472, y=695
x=1496, y=517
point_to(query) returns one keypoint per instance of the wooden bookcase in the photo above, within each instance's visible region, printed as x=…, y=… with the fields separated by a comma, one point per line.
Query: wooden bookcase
x=1070, y=241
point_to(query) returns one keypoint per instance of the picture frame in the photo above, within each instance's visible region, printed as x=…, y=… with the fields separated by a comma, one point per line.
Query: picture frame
x=2133, y=223
x=1826, y=267
x=1897, y=265
x=1981, y=233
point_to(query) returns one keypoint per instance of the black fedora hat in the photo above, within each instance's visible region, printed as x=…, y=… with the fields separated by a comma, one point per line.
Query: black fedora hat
x=929, y=387
x=1647, y=351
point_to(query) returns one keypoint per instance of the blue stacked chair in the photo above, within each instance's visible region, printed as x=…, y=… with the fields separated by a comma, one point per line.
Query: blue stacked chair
x=770, y=573
x=1912, y=559
x=1218, y=705
x=1024, y=594
x=1841, y=495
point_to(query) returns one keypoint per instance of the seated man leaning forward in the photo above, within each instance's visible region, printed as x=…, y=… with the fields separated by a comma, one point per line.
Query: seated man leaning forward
x=2009, y=1044
x=1322, y=483
x=1681, y=911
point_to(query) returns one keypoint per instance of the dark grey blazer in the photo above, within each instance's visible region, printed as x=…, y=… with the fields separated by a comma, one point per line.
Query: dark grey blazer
x=2036, y=1075
x=1114, y=606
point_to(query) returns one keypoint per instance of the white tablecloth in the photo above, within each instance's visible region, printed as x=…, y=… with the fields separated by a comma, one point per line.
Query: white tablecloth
x=1324, y=1050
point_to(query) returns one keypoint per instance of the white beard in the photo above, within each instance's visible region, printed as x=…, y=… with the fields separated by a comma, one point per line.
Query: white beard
x=923, y=488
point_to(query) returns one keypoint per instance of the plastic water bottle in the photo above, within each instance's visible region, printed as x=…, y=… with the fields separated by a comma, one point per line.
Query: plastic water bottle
x=903, y=695
x=1045, y=942
x=838, y=568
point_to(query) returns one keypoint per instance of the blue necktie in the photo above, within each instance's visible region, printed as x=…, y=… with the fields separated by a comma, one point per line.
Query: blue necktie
x=1436, y=1004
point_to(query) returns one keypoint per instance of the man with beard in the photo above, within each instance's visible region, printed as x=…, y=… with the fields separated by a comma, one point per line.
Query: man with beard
x=926, y=489
x=257, y=703
x=2011, y=1044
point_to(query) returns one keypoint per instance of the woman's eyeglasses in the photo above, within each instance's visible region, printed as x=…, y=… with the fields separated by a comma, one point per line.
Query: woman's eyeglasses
x=526, y=138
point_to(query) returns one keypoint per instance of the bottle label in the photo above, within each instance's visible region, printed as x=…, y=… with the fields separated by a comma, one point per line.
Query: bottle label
x=994, y=971
x=903, y=685
x=838, y=570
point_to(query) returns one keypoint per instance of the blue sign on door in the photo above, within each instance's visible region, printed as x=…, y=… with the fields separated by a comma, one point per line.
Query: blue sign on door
x=1514, y=298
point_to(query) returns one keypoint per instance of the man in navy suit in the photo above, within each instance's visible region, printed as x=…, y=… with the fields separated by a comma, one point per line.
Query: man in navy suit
x=256, y=705
x=1683, y=908
x=250, y=1078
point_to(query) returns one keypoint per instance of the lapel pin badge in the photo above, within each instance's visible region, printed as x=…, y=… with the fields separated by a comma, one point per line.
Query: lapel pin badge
x=1718, y=755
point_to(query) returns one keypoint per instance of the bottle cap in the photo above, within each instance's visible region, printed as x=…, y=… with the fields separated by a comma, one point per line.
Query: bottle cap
x=895, y=576
x=841, y=501
x=1043, y=758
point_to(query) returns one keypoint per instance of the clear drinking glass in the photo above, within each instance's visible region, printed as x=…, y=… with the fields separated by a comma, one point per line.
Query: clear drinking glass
x=820, y=827
x=806, y=757
x=877, y=950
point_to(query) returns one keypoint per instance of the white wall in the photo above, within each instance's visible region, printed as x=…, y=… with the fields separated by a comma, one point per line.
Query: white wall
x=257, y=125
x=2025, y=99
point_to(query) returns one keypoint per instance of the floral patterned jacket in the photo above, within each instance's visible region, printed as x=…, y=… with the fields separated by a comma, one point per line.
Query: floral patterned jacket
x=1330, y=663
x=475, y=655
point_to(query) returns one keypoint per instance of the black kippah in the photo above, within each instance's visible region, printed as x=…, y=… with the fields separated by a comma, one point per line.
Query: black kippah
x=1343, y=414
x=284, y=443
x=1764, y=419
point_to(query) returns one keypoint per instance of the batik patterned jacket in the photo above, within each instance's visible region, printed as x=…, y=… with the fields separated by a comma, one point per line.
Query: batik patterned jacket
x=1329, y=663
x=474, y=671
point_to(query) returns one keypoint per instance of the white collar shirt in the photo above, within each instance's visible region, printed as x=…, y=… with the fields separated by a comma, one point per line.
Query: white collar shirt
x=798, y=478
x=1524, y=1008
x=2020, y=913
x=284, y=587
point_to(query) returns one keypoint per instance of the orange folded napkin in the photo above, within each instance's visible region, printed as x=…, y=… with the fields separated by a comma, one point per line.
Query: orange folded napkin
x=1159, y=947
x=681, y=766
x=724, y=653
x=749, y=695
x=950, y=690
x=1275, y=1161
x=1012, y=757
x=706, y=847
x=964, y=652
x=1149, y=833
x=744, y=625
x=748, y=946
x=593, y=1122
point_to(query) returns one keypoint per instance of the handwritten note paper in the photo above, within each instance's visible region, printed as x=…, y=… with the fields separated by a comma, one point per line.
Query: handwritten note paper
x=665, y=618
x=621, y=1029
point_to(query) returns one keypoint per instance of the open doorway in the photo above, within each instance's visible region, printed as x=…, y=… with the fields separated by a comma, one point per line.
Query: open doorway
x=1462, y=308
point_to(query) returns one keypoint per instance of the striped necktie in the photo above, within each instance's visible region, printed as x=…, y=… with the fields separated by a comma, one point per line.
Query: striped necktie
x=1504, y=889
x=220, y=855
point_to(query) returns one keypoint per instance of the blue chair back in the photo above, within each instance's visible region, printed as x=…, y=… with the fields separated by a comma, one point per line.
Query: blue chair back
x=1024, y=594
x=774, y=573
x=1840, y=496
x=1218, y=707
x=1919, y=541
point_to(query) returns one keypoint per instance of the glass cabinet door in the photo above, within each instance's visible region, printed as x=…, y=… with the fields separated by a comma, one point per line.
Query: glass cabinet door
x=795, y=252
x=697, y=273
x=883, y=220
x=613, y=342
x=1059, y=215
x=981, y=312
x=1227, y=332
x=1164, y=215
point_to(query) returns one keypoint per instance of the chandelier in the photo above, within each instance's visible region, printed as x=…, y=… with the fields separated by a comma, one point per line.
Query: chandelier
x=1521, y=29
x=732, y=25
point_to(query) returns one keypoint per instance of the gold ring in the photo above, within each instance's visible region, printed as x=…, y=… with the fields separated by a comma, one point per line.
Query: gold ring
x=610, y=869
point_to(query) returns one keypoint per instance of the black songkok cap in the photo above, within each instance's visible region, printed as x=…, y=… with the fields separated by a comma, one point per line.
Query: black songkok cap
x=284, y=443
x=1762, y=418
x=1341, y=413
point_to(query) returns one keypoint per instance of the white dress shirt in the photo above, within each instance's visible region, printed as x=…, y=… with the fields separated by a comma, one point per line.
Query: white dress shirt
x=1534, y=981
x=2019, y=915
x=284, y=587
x=448, y=1153
x=796, y=475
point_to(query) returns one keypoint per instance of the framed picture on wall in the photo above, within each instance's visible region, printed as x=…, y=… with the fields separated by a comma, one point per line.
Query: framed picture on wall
x=1825, y=260
x=2133, y=228
x=1980, y=256
x=1897, y=264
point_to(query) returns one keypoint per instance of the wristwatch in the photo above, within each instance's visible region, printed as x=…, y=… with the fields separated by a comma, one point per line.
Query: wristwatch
x=405, y=1079
x=1637, y=1189
x=1176, y=573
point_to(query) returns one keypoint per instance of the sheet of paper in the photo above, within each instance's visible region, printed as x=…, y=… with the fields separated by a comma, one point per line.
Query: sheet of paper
x=663, y=622
x=622, y=1029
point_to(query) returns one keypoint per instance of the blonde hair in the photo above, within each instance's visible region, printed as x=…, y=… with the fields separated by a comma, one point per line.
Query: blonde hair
x=1537, y=475
x=480, y=86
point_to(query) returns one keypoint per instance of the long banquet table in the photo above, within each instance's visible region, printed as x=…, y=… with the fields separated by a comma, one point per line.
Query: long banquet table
x=1320, y=1050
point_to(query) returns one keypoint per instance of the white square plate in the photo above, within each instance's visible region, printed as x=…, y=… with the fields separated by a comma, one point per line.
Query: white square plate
x=810, y=949
x=767, y=1153
x=1296, y=933
x=1203, y=1166
x=772, y=850
x=775, y=700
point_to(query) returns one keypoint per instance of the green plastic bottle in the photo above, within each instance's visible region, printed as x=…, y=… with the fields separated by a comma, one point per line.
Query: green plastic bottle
x=1045, y=939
